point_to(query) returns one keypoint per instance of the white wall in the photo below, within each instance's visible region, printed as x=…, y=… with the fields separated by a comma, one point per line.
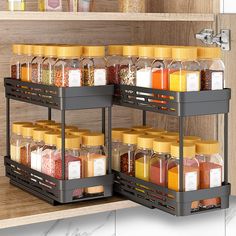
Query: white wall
x=228, y=6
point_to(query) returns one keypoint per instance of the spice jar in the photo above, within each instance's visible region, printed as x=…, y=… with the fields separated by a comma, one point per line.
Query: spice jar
x=50, y=54
x=127, y=159
x=141, y=128
x=37, y=148
x=133, y=6
x=26, y=69
x=25, y=151
x=184, y=70
x=212, y=68
x=38, y=51
x=143, y=156
x=44, y=123
x=155, y=132
x=191, y=139
x=16, y=5
x=159, y=160
x=191, y=170
x=50, y=5
x=16, y=140
x=16, y=61
x=171, y=135
x=211, y=174
x=95, y=160
x=94, y=66
x=127, y=66
x=67, y=71
x=117, y=147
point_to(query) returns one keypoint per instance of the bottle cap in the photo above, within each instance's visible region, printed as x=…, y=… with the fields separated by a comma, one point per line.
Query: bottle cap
x=38, y=50
x=68, y=129
x=184, y=53
x=162, y=145
x=209, y=53
x=145, y=51
x=171, y=135
x=117, y=133
x=141, y=128
x=146, y=141
x=155, y=132
x=189, y=150
x=115, y=50
x=80, y=132
x=17, y=49
x=71, y=142
x=27, y=130
x=208, y=147
x=191, y=139
x=27, y=50
x=162, y=52
x=93, y=139
x=53, y=126
x=94, y=51
x=44, y=122
x=16, y=127
x=50, y=138
x=38, y=134
x=131, y=137
x=50, y=51
x=131, y=51
x=69, y=51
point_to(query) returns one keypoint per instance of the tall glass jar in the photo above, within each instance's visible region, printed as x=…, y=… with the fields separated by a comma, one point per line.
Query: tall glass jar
x=26, y=65
x=211, y=173
x=50, y=5
x=191, y=170
x=94, y=72
x=67, y=70
x=143, y=156
x=184, y=70
x=95, y=160
x=16, y=61
x=50, y=54
x=212, y=68
x=16, y=5
x=127, y=66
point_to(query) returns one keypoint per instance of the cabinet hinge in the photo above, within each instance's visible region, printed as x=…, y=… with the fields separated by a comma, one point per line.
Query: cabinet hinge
x=223, y=39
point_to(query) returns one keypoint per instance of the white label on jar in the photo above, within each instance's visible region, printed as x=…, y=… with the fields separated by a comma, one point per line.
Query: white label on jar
x=193, y=81
x=74, y=78
x=215, y=178
x=144, y=78
x=217, y=80
x=191, y=181
x=74, y=170
x=99, y=167
x=36, y=160
x=100, y=77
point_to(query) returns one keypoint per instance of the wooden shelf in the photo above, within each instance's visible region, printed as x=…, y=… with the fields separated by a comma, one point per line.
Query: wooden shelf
x=20, y=208
x=103, y=16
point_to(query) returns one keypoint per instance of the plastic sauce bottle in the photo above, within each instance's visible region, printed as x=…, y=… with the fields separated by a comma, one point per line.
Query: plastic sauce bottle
x=16, y=61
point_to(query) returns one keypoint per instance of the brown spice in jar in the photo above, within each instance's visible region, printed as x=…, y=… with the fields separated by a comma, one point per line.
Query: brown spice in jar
x=88, y=76
x=207, y=79
x=127, y=164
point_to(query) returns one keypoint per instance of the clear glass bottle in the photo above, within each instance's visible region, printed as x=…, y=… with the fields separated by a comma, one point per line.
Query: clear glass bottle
x=117, y=147
x=127, y=66
x=191, y=170
x=37, y=148
x=67, y=70
x=50, y=54
x=16, y=140
x=184, y=70
x=50, y=5
x=16, y=5
x=211, y=169
x=38, y=51
x=143, y=156
x=212, y=68
x=94, y=158
x=159, y=160
x=16, y=61
x=94, y=71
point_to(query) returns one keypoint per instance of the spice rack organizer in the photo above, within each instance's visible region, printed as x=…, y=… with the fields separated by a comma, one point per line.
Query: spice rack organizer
x=180, y=104
x=43, y=186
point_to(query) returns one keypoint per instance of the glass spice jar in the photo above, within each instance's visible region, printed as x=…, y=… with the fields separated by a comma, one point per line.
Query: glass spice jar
x=50, y=5
x=67, y=71
x=133, y=6
x=16, y=61
x=94, y=71
x=16, y=5
x=212, y=68
x=127, y=71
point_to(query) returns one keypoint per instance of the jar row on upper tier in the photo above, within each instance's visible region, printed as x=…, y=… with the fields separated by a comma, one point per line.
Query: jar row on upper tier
x=174, y=68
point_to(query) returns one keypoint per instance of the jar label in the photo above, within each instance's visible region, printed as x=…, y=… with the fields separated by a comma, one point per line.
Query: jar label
x=36, y=159
x=100, y=77
x=53, y=4
x=15, y=153
x=99, y=167
x=144, y=78
x=193, y=81
x=74, y=78
x=217, y=80
x=191, y=181
x=215, y=178
x=74, y=170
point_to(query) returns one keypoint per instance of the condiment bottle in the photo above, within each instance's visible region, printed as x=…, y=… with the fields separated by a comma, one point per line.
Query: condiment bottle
x=191, y=139
x=16, y=61
x=212, y=68
x=141, y=128
x=211, y=163
x=184, y=70
x=67, y=71
x=117, y=147
x=171, y=135
x=16, y=140
x=143, y=156
x=25, y=151
x=16, y=5
x=36, y=148
x=190, y=168
x=50, y=5
x=44, y=123
x=127, y=66
x=114, y=58
x=127, y=159
x=95, y=160
x=159, y=160
x=94, y=66
x=26, y=69
x=50, y=54
x=155, y=132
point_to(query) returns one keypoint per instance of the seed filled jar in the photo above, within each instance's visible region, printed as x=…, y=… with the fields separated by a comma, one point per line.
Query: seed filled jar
x=212, y=68
x=50, y=54
x=38, y=51
x=26, y=65
x=127, y=66
x=191, y=170
x=94, y=71
x=67, y=70
x=184, y=70
x=16, y=61
x=143, y=156
x=95, y=160
x=211, y=164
